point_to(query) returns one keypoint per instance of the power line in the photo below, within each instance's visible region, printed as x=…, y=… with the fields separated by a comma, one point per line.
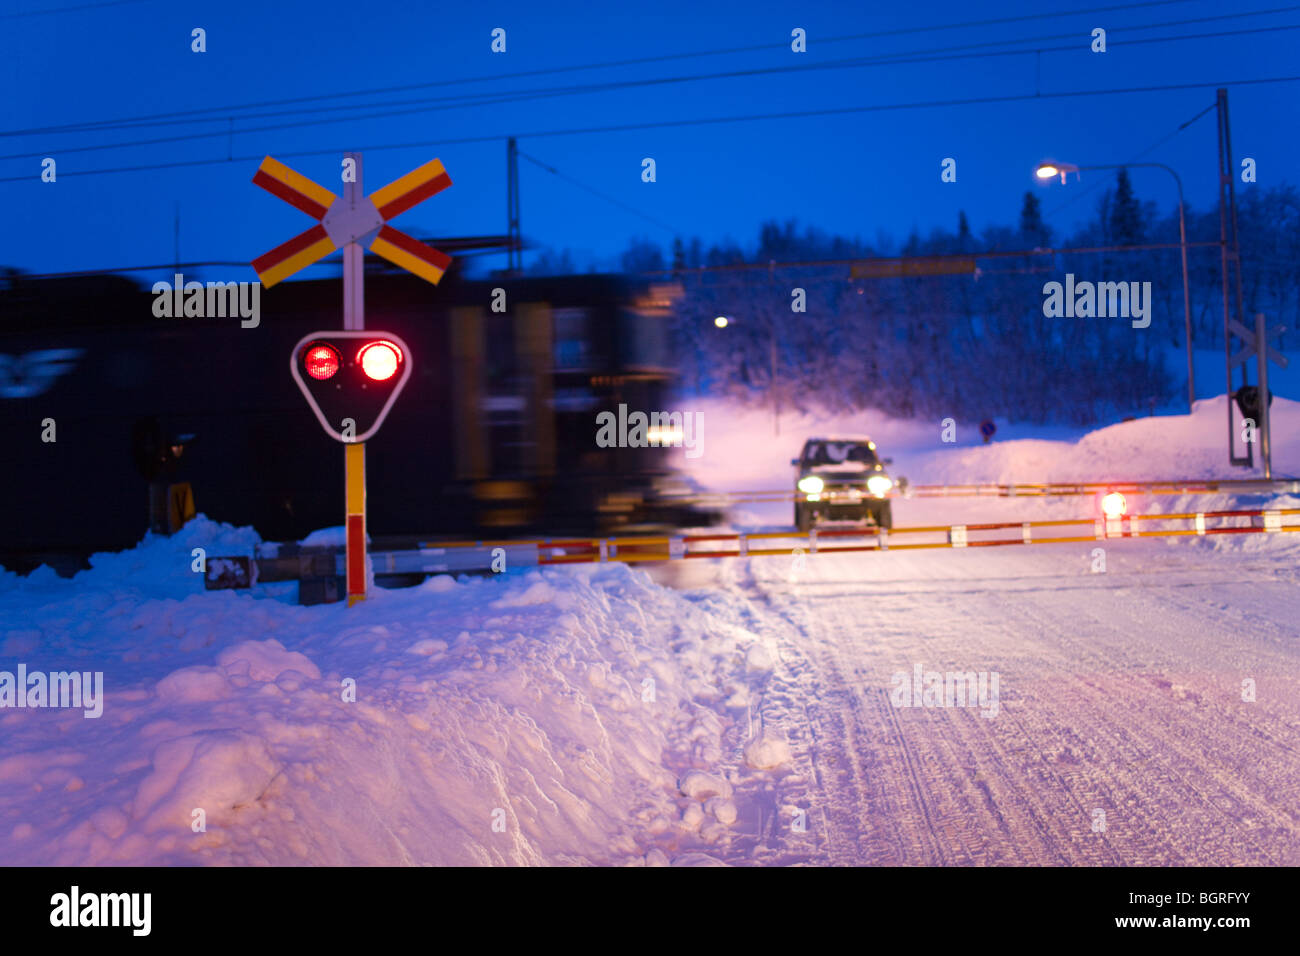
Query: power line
x=707, y=121
x=688, y=270
x=488, y=99
x=84, y=6
x=593, y=66
x=512, y=98
x=507, y=97
x=1089, y=190
x=596, y=192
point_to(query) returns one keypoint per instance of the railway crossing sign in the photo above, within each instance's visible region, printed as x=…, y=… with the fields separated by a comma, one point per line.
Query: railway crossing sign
x=354, y=374
x=351, y=219
x=1255, y=345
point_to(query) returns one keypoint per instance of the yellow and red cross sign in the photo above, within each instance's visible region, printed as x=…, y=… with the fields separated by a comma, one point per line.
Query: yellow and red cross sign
x=364, y=222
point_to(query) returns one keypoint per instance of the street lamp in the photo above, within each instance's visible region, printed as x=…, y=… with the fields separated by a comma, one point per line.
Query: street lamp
x=1047, y=171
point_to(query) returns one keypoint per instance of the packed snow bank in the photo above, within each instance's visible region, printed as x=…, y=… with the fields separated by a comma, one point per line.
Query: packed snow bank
x=546, y=717
x=1162, y=447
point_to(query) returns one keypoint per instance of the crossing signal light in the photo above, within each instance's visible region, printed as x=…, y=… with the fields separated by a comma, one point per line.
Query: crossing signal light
x=1247, y=398
x=322, y=362
x=350, y=379
x=379, y=360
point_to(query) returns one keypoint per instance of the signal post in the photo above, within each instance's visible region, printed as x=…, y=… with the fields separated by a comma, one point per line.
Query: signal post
x=344, y=388
x=354, y=453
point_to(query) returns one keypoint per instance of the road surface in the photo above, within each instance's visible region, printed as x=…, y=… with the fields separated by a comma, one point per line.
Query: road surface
x=1121, y=736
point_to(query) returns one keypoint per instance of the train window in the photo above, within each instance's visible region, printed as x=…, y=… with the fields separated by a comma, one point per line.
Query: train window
x=573, y=346
x=501, y=360
x=643, y=338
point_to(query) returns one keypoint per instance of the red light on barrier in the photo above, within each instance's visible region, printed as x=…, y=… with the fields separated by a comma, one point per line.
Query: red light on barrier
x=1114, y=505
x=379, y=359
x=322, y=362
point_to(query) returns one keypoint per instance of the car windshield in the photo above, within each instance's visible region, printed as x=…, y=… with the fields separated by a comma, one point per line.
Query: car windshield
x=838, y=453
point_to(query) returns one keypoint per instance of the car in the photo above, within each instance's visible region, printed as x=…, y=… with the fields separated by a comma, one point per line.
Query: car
x=842, y=479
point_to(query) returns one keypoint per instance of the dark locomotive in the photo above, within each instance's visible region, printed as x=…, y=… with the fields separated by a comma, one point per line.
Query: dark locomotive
x=492, y=437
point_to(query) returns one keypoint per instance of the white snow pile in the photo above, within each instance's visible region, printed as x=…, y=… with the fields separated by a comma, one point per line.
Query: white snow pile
x=1144, y=449
x=569, y=716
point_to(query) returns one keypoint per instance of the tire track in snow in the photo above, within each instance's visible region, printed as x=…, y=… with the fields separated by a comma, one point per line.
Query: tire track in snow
x=1147, y=724
x=1093, y=657
x=833, y=714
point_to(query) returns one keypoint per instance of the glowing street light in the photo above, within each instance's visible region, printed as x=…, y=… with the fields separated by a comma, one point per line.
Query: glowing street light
x=1047, y=171
x=721, y=321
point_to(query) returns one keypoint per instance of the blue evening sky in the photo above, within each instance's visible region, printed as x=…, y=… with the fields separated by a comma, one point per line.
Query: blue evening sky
x=853, y=173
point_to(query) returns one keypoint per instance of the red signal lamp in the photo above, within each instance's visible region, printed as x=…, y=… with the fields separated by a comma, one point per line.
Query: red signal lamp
x=1114, y=505
x=380, y=360
x=350, y=378
x=321, y=362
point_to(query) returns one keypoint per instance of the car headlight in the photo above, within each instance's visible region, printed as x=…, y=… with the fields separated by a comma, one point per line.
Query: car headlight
x=879, y=484
x=811, y=484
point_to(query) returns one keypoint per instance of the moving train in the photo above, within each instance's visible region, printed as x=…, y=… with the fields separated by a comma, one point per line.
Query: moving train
x=493, y=436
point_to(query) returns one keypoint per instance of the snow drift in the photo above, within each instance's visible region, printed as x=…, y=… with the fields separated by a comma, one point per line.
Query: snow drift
x=542, y=718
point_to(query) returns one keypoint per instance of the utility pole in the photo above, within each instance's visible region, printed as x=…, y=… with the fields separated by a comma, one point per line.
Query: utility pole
x=1230, y=259
x=512, y=205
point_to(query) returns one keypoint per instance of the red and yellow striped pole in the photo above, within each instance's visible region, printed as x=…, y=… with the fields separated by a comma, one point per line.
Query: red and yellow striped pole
x=354, y=493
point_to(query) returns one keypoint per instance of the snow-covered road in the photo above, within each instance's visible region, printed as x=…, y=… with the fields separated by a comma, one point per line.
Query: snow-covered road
x=1120, y=735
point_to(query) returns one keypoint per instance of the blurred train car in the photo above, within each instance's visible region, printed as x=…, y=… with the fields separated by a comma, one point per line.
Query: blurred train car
x=494, y=435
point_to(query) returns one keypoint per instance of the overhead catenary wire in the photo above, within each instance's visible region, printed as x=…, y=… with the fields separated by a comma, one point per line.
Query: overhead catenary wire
x=1092, y=188
x=885, y=59
x=74, y=9
x=693, y=270
x=702, y=121
x=595, y=192
x=334, y=97
x=476, y=101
